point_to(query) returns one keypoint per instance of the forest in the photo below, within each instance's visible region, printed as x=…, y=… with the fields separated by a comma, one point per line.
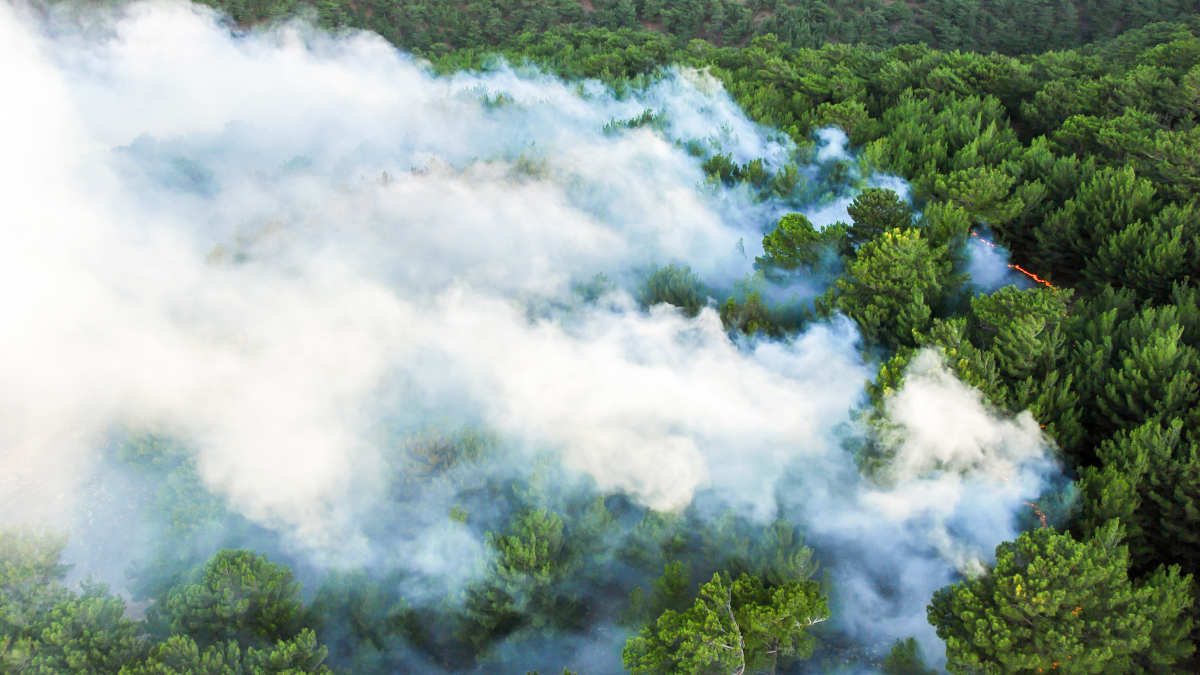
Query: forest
x=992, y=202
x=1011, y=27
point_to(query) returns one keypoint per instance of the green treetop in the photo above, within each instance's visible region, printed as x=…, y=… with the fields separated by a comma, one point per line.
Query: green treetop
x=735, y=626
x=1054, y=604
x=893, y=285
x=179, y=655
x=46, y=628
x=237, y=595
x=875, y=211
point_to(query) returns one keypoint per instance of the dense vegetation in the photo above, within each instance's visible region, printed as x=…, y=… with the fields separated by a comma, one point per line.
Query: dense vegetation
x=1084, y=162
x=1007, y=26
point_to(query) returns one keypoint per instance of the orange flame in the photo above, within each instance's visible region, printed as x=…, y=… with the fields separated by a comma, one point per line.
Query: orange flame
x=1041, y=516
x=1018, y=268
x=1031, y=275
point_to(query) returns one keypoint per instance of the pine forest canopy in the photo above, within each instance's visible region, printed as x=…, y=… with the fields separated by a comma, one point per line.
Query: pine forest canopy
x=1064, y=130
x=1007, y=26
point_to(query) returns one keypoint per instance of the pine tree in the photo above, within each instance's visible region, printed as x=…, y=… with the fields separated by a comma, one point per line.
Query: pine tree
x=892, y=287
x=1054, y=604
x=875, y=211
x=735, y=626
x=236, y=595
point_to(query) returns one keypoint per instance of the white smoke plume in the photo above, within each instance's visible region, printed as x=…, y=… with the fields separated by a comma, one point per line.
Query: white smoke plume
x=256, y=241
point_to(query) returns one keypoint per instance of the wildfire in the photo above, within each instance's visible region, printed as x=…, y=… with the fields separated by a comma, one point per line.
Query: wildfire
x=1018, y=268
x=1041, y=516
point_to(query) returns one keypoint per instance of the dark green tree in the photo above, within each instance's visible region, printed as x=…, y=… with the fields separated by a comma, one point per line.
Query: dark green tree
x=361, y=620
x=875, y=211
x=906, y=658
x=1113, y=200
x=523, y=588
x=1149, y=480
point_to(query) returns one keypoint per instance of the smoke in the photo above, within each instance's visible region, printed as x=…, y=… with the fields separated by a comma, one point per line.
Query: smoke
x=269, y=244
x=989, y=267
x=833, y=159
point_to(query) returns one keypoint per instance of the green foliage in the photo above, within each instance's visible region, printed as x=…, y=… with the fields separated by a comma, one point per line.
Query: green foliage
x=648, y=118
x=656, y=540
x=1150, y=257
x=754, y=174
x=1111, y=202
x=526, y=587
x=1054, y=603
x=47, y=628
x=361, y=620
x=741, y=625
x=794, y=243
x=438, y=26
x=751, y=316
x=433, y=451
x=29, y=557
x=180, y=655
x=238, y=596
x=875, y=211
x=906, y=658
x=1149, y=482
x=676, y=286
x=1153, y=372
x=749, y=313
x=150, y=452
x=893, y=286
x=671, y=591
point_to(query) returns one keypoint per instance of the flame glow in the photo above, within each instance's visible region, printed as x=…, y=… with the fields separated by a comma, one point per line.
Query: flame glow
x=1018, y=268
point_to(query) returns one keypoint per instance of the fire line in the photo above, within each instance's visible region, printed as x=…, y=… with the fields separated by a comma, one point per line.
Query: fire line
x=1018, y=268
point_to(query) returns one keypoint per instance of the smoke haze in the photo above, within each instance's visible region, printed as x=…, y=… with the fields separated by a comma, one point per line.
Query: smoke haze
x=269, y=244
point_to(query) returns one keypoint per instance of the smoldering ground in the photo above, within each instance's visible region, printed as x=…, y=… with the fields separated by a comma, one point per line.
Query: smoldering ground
x=294, y=253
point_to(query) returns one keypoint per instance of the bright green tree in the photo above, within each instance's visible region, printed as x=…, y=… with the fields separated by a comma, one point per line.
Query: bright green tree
x=794, y=243
x=735, y=626
x=984, y=191
x=1054, y=604
x=46, y=628
x=180, y=655
x=893, y=285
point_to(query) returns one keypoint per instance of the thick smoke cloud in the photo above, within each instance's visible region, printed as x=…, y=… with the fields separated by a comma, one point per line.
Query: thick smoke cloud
x=260, y=242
